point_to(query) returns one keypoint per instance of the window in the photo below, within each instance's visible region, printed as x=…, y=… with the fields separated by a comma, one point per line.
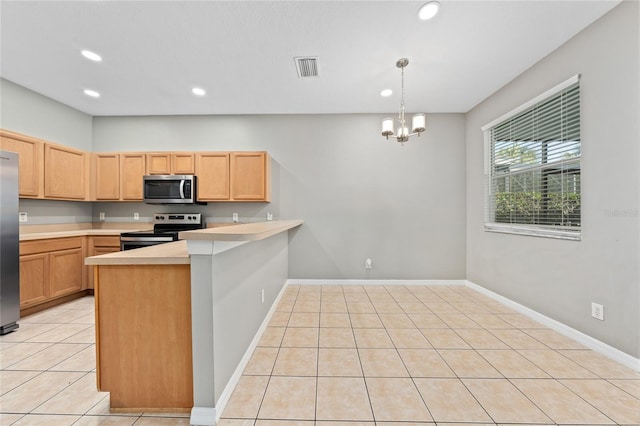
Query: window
x=532, y=166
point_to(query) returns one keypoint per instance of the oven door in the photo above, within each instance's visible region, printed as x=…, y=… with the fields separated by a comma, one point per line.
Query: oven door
x=130, y=243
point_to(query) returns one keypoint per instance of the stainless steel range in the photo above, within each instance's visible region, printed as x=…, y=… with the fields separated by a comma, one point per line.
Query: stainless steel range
x=166, y=227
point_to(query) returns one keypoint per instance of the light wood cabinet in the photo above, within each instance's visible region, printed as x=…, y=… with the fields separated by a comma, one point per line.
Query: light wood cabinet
x=98, y=245
x=131, y=174
x=30, y=162
x=159, y=163
x=65, y=172
x=171, y=163
x=212, y=170
x=51, y=269
x=106, y=177
x=183, y=163
x=250, y=176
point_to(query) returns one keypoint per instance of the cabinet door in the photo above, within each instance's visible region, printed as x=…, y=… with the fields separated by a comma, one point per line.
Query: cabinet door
x=212, y=169
x=34, y=282
x=29, y=162
x=249, y=176
x=183, y=163
x=65, y=271
x=107, y=176
x=159, y=164
x=64, y=172
x=131, y=174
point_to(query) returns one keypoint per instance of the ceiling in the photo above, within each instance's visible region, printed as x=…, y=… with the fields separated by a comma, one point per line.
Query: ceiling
x=242, y=52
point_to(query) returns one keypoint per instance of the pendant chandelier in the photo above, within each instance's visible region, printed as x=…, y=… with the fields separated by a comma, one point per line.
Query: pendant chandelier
x=418, y=121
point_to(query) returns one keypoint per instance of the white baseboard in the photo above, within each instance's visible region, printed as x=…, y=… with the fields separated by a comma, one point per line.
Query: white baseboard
x=235, y=377
x=584, y=339
x=203, y=416
x=374, y=282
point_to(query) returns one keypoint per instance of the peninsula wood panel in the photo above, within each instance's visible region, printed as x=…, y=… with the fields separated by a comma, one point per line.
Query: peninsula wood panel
x=131, y=175
x=107, y=176
x=212, y=170
x=65, y=172
x=98, y=245
x=143, y=329
x=30, y=162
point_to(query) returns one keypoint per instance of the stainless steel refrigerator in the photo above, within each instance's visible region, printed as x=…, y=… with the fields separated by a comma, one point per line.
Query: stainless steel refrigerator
x=9, y=243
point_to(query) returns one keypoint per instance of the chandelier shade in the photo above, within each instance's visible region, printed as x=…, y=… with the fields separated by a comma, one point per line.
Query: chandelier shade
x=418, y=121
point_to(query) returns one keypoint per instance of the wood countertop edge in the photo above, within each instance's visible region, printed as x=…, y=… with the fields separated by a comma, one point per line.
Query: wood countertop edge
x=174, y=253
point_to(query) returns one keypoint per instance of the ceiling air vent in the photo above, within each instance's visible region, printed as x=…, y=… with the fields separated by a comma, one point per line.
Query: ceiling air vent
x=307, y=66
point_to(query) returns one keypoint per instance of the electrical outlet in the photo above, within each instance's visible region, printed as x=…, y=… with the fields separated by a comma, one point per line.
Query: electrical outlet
x=102, y=216
x=136, y=216
x=368, y=264
x=235, y=218
x=262, y=295
x=22, y=217
x=269, y=216
x=597, y=311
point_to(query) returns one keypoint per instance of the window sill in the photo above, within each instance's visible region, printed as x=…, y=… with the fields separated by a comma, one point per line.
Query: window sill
x=534, y=231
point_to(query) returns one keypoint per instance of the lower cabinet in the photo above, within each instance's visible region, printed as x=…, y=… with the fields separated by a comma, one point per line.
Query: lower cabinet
x=51, y=270
x=100, y=245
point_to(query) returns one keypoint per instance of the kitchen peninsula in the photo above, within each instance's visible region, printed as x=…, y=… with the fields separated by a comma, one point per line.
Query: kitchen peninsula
x=174, y=321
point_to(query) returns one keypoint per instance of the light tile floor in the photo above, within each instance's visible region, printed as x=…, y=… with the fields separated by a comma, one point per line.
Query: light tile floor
x=409, y=356
x=347, y=356
x=47, y=373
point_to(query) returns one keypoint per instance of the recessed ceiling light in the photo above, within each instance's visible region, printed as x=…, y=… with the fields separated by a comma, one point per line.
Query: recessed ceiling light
x=386, y=92
x=198, y=91
x=91, y=55
x=91, y=93
x=428, y=10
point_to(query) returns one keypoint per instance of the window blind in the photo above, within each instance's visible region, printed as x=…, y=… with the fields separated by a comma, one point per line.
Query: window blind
x=534, y=165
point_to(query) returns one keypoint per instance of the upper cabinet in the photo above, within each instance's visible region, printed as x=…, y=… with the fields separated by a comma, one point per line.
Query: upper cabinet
x=212, y=170
x=65, y=172
x=30, y=159
x=250, y=176
x=171, y=163
x=132, y=169
x=118, y=176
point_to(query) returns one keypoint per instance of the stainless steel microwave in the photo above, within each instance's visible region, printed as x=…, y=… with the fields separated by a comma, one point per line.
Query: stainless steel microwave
x=169, y=189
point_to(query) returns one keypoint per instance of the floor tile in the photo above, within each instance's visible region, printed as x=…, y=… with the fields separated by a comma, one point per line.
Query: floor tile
x=334, y=306
x=382, y=363
x=408, y=338
x=414, y=308
x=425, y=363
x=304, y=319
x=360, y=307
x=504, y=402
x=49, y=420
x=60, y=333
x=300, y=337
x=511, y=364
x=396, y=320
x=468, y=363
x=632, y=387
x=334, y=319
x=458, y=320
x=25, y=398
x=27, y=331
x=609, y=399
x=387, y=307
x=490, y=321
x=85, y=360
x=49, y=356
x=517, y=339
x=309, y=306
x=337, y=338
x=441, y=308
x=441, y=338
x=162, y=421
x=88, y=335
x=279, y=319
x=372, y=338
x=481, y=339
x=296, y=362
x=553, y=339
x=396, y=399
x=557, y=365
x=365, y=321
x=559, y=403
x=241, y=422
x=8, y=418
x=339, y=362
x=246, y=398
x=289, y=398
x=262, y=361
x=19, y=352
x=102, y=409
x=600, y=365
x=520, y=321
x=334, y=423
x=425, y=320
x=449, y=400
x=106, y=421
x=78, y=398
x=342, y=398
x=272, y=336
x=10, y=380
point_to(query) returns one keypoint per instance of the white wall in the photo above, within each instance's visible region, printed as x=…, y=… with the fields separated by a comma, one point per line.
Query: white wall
x=558, y=278
x=359, y=194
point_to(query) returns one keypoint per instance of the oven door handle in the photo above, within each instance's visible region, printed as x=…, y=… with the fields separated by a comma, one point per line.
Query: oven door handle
x=182, y=189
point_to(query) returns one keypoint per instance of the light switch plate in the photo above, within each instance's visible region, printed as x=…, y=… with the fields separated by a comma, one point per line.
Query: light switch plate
x=22, y=217
x=269, y=216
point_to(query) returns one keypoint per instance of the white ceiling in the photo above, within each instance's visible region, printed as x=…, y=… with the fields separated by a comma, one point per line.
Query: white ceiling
x=242, y=52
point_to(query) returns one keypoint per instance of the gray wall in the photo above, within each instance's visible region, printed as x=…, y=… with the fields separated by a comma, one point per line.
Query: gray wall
x=359, y=195
x=29, y=113
x=558, y=278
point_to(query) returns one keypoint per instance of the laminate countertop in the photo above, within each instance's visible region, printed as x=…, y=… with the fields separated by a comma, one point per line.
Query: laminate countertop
x=74, y=233
x=177, y=253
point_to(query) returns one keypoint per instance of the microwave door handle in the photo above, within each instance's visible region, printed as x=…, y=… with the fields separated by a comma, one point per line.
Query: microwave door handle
x=182, y=189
